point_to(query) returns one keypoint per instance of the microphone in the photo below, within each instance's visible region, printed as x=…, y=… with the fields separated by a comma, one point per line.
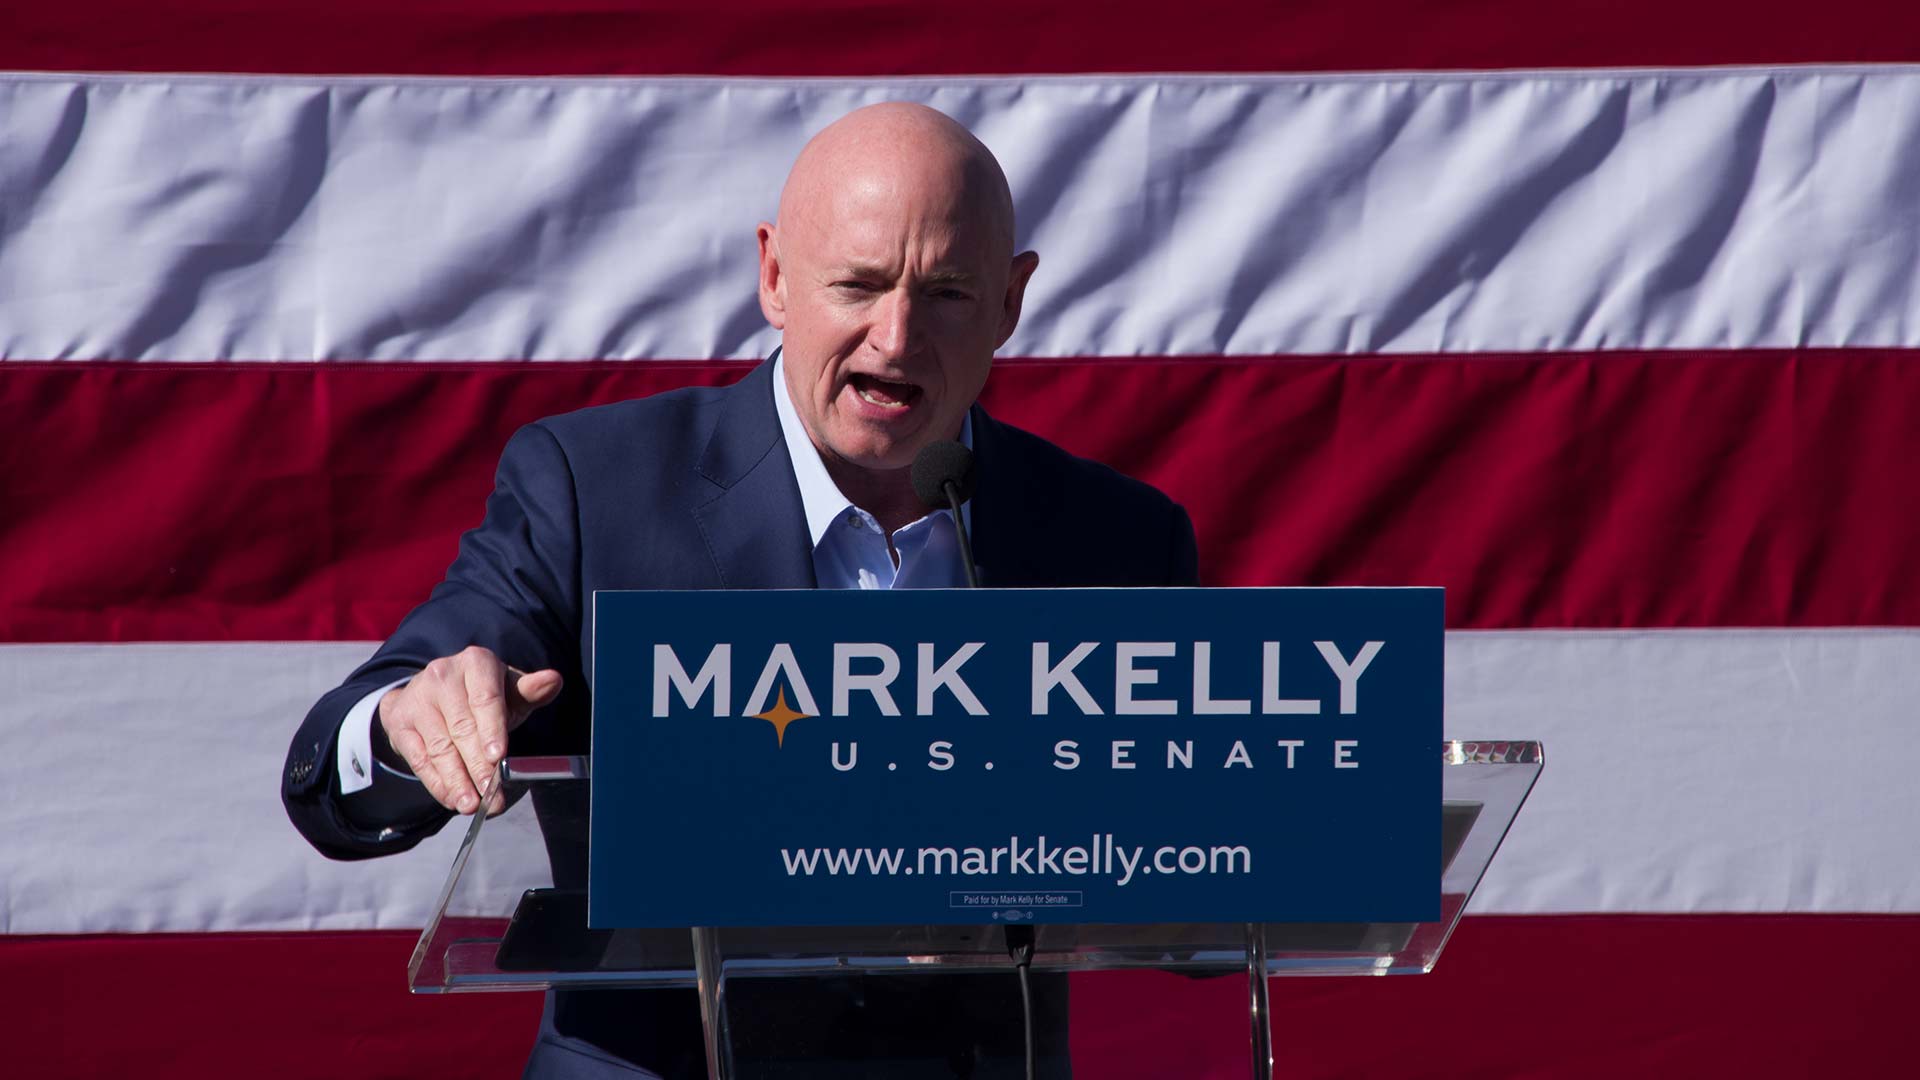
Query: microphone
x=943, y=478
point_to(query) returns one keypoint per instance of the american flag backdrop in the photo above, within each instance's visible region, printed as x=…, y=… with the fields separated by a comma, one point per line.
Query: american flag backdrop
x=1602, y=315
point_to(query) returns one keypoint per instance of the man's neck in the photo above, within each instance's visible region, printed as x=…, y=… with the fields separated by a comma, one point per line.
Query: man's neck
x=887, y=495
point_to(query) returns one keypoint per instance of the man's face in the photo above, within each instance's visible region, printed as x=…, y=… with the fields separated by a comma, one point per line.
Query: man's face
x=892, y=292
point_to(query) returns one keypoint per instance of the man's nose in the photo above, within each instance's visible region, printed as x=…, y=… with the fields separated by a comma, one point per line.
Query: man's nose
x=896, y=324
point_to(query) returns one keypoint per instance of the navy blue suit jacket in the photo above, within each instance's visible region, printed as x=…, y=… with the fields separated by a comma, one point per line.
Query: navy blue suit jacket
x=693, y=489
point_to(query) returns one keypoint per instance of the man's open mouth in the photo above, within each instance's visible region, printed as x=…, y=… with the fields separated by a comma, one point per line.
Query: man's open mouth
x=885, y=393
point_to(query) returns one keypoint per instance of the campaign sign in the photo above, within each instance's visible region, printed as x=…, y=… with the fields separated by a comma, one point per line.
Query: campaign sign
x=839, y=757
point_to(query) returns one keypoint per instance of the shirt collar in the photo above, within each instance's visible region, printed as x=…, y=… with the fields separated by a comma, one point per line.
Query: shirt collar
x=819, y=495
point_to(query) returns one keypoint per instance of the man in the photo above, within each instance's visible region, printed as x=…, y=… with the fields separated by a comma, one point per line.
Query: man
x=892, y=276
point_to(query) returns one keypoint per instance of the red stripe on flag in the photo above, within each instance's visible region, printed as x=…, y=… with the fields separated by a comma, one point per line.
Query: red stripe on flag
x=320, y=501
x=858, y=38
x=322, y=1005
x=1567, y=997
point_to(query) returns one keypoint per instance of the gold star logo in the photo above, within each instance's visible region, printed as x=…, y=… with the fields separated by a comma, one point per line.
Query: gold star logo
x=780, y=716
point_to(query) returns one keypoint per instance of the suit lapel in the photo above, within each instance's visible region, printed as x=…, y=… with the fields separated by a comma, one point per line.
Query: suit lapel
x=754, y=525
x=1010, y=516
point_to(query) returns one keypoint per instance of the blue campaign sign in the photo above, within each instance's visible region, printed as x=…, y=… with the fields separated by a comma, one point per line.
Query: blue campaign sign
x=828, y=757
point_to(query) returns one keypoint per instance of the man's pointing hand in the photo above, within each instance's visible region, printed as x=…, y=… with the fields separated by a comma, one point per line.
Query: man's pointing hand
x=450, y=723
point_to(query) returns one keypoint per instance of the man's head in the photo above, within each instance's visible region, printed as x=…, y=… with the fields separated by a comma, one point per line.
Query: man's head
x=892, y=277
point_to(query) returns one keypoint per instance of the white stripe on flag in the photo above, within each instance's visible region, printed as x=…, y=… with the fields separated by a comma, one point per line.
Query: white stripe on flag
x=192, y=218
x=1688, y=771
x=142, y=794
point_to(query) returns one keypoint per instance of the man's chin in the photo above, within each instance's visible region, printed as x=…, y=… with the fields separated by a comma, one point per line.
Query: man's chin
x=880, y=455
x=883, y=451
x=892, y=460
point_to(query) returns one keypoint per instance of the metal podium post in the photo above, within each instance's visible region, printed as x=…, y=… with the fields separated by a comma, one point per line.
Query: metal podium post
x=1259, y=1014
x=713, y=1002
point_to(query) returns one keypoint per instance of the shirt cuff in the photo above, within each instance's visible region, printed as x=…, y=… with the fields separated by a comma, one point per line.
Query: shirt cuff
x=353, y=753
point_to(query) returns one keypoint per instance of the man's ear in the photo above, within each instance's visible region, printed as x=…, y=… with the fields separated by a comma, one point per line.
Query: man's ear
x=1024, y=265
x=773, y=285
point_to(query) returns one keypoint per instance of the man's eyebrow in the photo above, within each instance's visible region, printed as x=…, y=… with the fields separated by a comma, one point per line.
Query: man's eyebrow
x=872, y=272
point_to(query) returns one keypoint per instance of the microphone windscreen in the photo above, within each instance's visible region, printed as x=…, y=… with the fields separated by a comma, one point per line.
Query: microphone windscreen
x=937, y=465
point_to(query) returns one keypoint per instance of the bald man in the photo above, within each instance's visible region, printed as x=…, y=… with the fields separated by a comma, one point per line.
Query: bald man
x=892, y=275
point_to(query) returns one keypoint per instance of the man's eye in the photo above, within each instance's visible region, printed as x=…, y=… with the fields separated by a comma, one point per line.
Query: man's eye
x=951, y=294
x=854, y=286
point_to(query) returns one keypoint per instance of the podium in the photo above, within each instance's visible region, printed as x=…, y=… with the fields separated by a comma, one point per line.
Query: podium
x=502, y=923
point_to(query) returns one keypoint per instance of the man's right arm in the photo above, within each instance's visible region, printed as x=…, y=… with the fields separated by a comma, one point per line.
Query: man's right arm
x=510, y=597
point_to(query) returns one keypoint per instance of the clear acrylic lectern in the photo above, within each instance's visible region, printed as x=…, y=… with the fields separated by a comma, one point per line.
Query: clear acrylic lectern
x=500, y=923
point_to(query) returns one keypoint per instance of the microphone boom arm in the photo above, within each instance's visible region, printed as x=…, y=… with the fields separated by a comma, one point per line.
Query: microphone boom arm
x=960, y=530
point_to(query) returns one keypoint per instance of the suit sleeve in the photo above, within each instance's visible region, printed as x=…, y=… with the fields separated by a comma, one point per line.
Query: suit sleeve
x=513, y=588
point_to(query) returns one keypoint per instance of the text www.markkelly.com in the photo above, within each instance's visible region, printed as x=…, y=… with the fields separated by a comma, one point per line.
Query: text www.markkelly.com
x=1101, y=858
